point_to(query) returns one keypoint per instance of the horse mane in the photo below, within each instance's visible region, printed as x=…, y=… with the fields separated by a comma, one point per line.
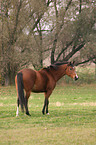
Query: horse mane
x=60, y=63
x=56, y=65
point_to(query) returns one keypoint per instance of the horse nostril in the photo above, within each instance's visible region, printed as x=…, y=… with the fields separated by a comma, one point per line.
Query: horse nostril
x=76, y=78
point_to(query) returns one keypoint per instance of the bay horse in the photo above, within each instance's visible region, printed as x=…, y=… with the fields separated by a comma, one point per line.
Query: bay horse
x=44, y=80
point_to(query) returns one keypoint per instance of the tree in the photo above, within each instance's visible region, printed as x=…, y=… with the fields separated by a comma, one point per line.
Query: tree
x=72, y=35
x=33, y=30
x=16, y=17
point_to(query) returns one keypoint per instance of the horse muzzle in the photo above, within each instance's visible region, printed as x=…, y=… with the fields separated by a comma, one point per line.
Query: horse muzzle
x=76, y=78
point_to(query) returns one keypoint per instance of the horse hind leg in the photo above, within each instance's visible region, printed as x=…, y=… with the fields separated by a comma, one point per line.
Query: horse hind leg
x=26, y=103
x=17, y=112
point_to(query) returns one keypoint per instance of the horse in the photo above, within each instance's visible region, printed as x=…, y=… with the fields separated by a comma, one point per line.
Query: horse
x=44, y=80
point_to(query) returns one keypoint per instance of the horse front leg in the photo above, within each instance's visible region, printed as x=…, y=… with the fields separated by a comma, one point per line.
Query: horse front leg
x=43, y=110
x=46, y=102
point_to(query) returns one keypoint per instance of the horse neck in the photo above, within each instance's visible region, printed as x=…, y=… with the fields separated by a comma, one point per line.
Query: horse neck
x=60, y=72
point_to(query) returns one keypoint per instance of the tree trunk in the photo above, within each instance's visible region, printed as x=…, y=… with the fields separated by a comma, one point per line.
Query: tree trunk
x=6, y=80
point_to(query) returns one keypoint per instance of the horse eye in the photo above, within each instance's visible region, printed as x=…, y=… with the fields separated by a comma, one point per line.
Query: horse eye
x=70, y=68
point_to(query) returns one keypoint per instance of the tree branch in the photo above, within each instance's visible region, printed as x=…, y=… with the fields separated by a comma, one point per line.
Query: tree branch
x=57, y=29
x=12, y=39
x=74, y=51
x=39, y=18
x=64, y=50
x=80, y=6
x=68, y=5
x=85, y=61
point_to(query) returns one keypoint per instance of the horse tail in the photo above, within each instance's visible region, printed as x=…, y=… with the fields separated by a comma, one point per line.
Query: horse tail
x=20, y=87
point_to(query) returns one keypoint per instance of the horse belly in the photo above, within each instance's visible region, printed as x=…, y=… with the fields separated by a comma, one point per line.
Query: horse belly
x=38, y=88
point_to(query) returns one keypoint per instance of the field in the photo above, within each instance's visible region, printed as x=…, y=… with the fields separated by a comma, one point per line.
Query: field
x=72, y=119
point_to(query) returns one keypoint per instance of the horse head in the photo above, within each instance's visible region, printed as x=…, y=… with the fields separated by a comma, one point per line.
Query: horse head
x=70, y=71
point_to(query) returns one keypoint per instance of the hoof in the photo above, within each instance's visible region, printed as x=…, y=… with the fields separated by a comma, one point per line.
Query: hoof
x=17, y=115
x=27, y=113
x=48, y=114
x=43, y=112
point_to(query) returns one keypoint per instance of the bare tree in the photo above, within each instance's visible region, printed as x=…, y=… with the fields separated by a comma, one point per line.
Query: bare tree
x=17, y=19
x=32, y=30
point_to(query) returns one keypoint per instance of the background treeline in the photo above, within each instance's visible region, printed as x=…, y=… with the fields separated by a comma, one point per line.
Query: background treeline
x=39, y=32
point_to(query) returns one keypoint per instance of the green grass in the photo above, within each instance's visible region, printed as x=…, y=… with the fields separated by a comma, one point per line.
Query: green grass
x=72, y=119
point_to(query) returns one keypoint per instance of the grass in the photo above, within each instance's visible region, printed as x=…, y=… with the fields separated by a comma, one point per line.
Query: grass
x=72, y=119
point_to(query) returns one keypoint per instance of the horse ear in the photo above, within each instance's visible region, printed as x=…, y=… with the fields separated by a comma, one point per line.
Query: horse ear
x=69, y=63
x=73, y=62
x=53, y=66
